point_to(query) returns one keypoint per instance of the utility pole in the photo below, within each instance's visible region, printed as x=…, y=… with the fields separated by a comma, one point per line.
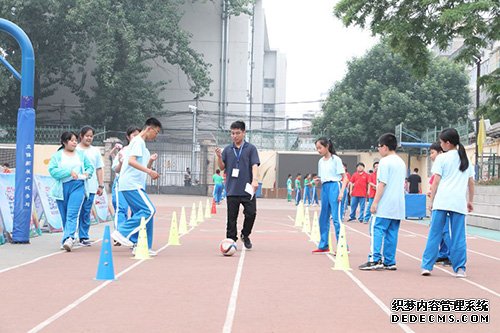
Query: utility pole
x=476, y=155
x=251, y=68
x=194, y=110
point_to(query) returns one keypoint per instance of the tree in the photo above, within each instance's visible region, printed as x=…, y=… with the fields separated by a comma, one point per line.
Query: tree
x=411, y=26
x=380, y=91
x=120, y=39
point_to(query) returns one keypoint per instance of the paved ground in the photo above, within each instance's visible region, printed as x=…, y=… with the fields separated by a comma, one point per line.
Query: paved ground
x=278, y=286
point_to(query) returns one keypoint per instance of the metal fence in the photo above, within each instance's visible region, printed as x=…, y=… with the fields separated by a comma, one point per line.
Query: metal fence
x=489, y=166
x=463, y=128
x=272, y=140
x=47, y=134
x=173, y=159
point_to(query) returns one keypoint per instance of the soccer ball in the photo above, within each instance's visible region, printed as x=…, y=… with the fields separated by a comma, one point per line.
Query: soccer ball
x=227, y=247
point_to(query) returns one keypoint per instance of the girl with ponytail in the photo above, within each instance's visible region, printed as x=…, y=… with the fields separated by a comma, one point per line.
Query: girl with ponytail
x=452, y=192
x=331, y=174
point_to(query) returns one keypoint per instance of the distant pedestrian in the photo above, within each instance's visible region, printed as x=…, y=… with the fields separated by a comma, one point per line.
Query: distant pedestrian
x=307, y=189
x=289, y=188
x=314, y=185
x=359, y=191
x=372, y=189
x=187, y=177
x=414, y=182
x=345, y=199
x=218, y=185
x=298, y=189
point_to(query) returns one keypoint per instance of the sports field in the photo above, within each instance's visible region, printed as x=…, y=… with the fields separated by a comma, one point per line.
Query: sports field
x=278, y=286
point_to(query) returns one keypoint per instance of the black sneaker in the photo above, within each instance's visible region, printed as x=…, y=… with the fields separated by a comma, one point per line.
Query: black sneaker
x=447, y=262
x=441, y=259
x=351, y=220
x=246, y=242
x=390, y=267
x=85, y=242
x=371, y=266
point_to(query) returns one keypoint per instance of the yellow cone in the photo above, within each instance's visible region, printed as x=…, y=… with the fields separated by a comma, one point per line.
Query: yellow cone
x=306, y=226
x=141, y=250
x=192, y=218
x=342, y=258
x=173, y=236
x=182, y=222
x=315, y=234
x=199, y=218
x=330, y=241
x=299, y=216
x=208, y=210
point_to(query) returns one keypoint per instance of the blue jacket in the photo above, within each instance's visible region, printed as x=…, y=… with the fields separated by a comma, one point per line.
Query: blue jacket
x=59, y=173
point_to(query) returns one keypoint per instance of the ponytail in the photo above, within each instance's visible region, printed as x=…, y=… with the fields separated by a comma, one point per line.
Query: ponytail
x=451, y=135
x=327, y=142
x=464, y=161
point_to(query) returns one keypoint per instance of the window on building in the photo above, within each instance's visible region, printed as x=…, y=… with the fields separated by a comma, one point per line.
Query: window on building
x=269, y=108
x=268, y=83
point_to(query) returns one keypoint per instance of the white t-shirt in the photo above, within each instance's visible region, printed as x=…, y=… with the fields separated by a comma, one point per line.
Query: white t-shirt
x=451, y=193
x=130, y=177
x=392, y=172
x=72, y=163
x=119, y=157
x=94, y=156
x=331, y=169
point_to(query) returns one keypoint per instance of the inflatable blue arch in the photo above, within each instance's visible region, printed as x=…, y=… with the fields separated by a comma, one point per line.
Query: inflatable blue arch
x=25, y=136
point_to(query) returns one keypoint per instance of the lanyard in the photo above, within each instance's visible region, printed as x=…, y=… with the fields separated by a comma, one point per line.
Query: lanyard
x=238, y=155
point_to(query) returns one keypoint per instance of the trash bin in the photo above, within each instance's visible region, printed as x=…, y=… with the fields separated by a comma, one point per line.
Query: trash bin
x=415, y=205
x=258, y=194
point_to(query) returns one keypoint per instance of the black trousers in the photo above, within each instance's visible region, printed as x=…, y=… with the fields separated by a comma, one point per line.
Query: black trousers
x=233, y=209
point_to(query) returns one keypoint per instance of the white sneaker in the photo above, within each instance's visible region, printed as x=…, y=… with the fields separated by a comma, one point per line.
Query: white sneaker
x=68, y=244
x=425, y=272
x=151, y=252
x=460, y=273
x=117, y=236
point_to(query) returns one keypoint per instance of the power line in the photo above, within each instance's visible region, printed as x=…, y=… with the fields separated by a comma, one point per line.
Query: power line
x=245, y=103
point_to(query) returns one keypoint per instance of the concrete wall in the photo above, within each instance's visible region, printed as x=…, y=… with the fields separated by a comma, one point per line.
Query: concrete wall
x=486, y=212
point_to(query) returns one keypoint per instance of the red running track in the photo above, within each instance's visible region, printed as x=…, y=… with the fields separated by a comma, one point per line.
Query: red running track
x=278, y=286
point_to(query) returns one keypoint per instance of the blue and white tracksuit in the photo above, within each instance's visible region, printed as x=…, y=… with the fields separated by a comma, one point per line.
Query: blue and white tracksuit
x=330, y=172
x=131, y=184
x=94, y=156
x=450, y=200
x=69, y=193
x=141, y=206
x=390, y=210
x=457, y=249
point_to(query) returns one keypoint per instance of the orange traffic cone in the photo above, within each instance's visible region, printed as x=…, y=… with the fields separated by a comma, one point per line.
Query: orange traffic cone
x=214, y=209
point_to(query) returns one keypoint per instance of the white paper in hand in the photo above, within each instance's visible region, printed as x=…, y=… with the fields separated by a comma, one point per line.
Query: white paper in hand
x=249, y=190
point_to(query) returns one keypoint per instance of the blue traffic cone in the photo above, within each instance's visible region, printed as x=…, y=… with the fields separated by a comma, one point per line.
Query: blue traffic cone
x=105, y=270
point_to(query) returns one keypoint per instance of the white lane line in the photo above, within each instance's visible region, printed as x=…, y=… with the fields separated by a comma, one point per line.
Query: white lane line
x=370, y=294
x=468, y=234
x=437, y=267
x=38, y=259
x=231, y=309
x=468, y=250
x=85, y=297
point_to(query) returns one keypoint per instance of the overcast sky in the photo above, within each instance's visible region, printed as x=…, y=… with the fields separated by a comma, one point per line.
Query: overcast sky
x=316, y=44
